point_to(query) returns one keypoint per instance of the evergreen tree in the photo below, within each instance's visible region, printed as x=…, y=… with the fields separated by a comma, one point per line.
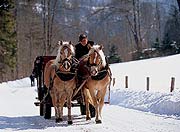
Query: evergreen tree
x=156, y=44
x=7, y=36
x=113, y=55
x=171, y=40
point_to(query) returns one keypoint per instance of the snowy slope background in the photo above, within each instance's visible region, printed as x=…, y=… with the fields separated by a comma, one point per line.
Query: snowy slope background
x=131, y=109
x=158, y=99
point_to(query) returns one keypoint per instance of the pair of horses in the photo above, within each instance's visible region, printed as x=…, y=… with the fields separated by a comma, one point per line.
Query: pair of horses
x=61, y=80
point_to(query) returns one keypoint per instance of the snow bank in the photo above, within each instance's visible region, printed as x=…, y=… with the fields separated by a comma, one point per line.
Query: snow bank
x=21, y=83
x=155, y=102
x=158, y=99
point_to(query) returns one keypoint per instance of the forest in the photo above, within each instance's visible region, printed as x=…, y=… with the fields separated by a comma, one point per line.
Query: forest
x=128, y=30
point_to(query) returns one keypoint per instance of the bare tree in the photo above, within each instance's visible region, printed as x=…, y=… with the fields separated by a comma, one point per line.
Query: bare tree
x=135, y=26
x=43, y=2
x=158, y=21
x=49, y=8
x=17, y=40
x=178, y=1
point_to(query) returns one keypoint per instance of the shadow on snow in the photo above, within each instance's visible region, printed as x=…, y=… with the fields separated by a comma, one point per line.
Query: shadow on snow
x=37, y=122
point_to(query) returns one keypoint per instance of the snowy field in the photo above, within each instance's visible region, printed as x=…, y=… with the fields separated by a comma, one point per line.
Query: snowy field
x=132, y=109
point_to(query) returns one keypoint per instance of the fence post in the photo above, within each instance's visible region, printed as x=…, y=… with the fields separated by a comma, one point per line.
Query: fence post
x=126, y=82
x=147, y=81
x=172, y=84
x=113, y=82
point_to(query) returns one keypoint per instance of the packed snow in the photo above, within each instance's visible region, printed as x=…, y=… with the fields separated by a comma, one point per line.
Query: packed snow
x=132, y=109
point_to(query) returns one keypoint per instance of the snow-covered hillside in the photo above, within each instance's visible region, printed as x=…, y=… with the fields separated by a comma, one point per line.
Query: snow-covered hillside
x=158, y=99
x=131, y=110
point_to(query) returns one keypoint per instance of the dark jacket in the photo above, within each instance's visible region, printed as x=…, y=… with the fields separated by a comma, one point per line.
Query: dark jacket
x=81, y=50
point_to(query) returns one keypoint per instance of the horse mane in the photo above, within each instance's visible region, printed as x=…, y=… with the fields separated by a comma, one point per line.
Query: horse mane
x=58, y=57
x=101, y=53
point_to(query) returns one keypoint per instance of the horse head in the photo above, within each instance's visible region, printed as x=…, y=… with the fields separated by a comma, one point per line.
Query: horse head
x=64, y=56
x=96, y=59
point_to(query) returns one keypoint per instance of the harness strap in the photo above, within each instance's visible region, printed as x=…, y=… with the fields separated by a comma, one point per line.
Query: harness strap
x=110, y=75
x=80, y=87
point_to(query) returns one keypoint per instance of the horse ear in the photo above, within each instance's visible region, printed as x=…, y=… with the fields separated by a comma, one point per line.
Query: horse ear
x=60, y=42
x=70, y=42
x=89, y=46
x=101, y=47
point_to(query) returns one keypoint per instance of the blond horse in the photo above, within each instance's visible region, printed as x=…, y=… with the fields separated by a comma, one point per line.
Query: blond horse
x=60, y=81
x=99, y=79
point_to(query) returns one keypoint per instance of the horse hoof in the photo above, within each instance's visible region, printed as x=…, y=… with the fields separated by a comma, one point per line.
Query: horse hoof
x=98, y=122
x=59, y=120
x=70, y=122
x=88, y=118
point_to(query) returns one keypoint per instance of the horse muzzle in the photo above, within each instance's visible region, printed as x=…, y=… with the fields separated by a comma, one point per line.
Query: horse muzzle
x=93, y=71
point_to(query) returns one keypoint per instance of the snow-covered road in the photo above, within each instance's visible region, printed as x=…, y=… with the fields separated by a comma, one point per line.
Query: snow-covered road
x=18, y=113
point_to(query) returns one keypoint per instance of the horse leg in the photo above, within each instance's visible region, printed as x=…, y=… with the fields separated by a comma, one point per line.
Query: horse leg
x=61, y=102
x=55, y=104
x=88, y=117
x=69, y=110
x=98, y=119
x=101, y=101
x=96, y=106
x=59, y=114
x=58, y=108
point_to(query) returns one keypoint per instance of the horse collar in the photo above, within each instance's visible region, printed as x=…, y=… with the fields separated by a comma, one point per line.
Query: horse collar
x=102, y=74
x=65, y=76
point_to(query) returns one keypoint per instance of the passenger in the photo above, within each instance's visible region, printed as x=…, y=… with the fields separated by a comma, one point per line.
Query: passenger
x=82, y=48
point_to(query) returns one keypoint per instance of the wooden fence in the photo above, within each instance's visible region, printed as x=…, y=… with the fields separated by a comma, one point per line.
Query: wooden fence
x=148, y=83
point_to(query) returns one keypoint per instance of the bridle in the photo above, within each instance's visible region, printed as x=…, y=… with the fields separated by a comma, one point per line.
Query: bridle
x=94, y=64
x=66, y=63
x=94, y=67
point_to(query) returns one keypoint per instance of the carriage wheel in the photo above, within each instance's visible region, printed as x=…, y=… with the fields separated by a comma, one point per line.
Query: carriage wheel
x=82, y=109
x=41, y=108
x=47, y=107
x=41, y=93
x=47, y=110
x=92, y=110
